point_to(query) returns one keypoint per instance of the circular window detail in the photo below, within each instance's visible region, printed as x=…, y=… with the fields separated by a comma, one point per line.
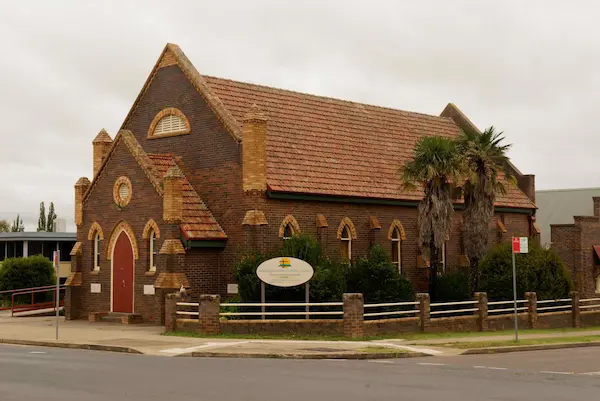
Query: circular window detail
x=122, y=191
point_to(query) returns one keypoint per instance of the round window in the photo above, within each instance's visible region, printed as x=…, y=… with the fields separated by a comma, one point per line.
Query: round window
x=122, y=191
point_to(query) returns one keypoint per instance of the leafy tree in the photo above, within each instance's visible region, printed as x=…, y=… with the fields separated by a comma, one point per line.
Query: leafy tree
x=436, y=167
x=17, y=225
x=4, y=226
x=484, y=157
x=376, y=277
x=453, y=286
x=42, y=219
x=51, y=218
x=540, y=270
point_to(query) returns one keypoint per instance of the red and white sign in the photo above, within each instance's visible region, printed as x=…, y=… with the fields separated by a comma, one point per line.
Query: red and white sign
x=56, y=259
x=520, y=245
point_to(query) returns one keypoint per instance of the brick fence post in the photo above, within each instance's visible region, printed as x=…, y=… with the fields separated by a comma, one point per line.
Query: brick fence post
x=576, y=310
x=208, y=314
x=354, y=315
x=171, y=311
x=482, y=310
x=424, y=310
x=532, y=316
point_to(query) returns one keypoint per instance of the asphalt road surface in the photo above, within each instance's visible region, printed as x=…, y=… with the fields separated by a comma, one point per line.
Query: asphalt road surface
x=29, y=373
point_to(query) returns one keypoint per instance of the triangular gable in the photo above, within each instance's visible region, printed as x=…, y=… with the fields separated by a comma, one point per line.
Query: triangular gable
x=173, y=55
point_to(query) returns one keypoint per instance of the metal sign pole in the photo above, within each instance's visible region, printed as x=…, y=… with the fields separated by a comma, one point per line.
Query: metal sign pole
x=307, y=299
x=515, y=292
x=57, y=265
x=262, y=299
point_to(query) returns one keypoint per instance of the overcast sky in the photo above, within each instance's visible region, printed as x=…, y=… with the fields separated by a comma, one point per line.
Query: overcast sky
x=70, y=68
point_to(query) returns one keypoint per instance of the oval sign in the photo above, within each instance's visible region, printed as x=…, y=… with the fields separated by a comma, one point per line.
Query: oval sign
x=284, y=272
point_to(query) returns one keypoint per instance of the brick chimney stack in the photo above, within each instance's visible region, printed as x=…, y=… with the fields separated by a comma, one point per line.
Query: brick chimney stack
x=173, y=196
x=254, y=150
x=101, y=145
x=81, y=188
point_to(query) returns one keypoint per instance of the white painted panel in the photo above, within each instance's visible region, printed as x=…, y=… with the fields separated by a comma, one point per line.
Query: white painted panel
x=149, y=290
x=95, y=288
x=232, y=288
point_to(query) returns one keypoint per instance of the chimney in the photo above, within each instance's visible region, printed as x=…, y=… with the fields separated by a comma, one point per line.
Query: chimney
x=596, y=206
x=254, y=150
x=81, y=188
x=173, y=196
x=101, y=145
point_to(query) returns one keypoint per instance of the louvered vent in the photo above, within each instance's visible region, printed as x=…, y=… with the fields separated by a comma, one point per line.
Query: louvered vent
x=123, y=191
x=169, y=124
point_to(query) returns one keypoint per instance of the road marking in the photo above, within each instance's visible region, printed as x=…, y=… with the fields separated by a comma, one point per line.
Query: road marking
x=488, y=367
x=431, y=364
x=557, y=373
x=37, y=352
x=203, y=346
x=382, y=361
x=428, y=351
x=590, y=373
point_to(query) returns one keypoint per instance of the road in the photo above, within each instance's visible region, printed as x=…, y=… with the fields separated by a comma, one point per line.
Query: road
x=29, y=373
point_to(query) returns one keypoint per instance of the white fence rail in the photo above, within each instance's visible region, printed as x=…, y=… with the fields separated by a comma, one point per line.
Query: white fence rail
x=266, y=309
x=561, y=306
x=392, y=313
x=509, y=306
x=587, y=305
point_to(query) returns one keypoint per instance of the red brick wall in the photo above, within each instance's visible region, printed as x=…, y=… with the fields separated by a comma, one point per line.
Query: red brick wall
x=101, y=207
x=565, y=239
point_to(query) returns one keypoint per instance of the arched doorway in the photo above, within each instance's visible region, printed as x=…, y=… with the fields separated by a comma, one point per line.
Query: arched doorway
x=122, y=275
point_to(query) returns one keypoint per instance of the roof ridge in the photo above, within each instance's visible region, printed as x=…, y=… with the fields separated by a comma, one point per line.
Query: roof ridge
x=322, y=97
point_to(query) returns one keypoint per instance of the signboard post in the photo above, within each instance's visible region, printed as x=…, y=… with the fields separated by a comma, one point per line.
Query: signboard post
x=57, y=296
x=519, y=245
x=284, y=272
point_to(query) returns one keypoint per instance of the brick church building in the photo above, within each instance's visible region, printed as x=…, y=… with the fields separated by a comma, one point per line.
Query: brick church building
x=204, y=169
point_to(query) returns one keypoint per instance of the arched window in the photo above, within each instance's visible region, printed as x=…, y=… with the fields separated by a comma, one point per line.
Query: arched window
x=346, y=244
x=169, y=122
x=444, y=257
x=289, y=227
x=153, y=250
x=396, y=249
x=97, y=251
x=288, y=231
x=598, y=283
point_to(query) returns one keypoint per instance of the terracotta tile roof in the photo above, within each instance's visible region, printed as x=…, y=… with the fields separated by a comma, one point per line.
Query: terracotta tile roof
x=324, y=146
x=198, y=222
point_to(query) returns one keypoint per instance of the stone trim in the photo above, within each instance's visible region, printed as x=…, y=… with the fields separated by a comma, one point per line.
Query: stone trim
x=169, y=111
x=291, y=220
x=116, y=191
x=374, y=223
x=321, y=221
x=122, y=226
x=346, y=222
x=500, y=226
x=74, y=280
x=397, y=224
x=255, y=218
x=76, y=251
x=95, y=227
x=171, y=280
x=150, y=225
x=172, y=247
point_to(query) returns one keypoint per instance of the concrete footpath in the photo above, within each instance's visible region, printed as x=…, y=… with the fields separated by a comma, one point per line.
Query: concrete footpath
x=147, y=339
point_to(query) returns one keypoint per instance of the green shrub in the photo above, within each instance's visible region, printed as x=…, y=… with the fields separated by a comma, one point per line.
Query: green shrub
x=453, y=286
x=376, y=277
x=540, y=271
x=34, y=271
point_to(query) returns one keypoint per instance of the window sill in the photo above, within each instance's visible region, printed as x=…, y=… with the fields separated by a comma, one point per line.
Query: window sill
x=94, y=272
x=150, y=273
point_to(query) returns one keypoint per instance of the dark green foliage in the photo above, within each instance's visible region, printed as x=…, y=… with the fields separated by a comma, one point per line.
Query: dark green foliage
x=17, y=225
x=42, y=218
x=540, y=271
x=51, y=218
x=34, y=271
x=453, y=286
x=378, y=279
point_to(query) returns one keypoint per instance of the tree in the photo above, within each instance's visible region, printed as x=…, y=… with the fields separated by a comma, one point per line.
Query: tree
x=4, y=226
x=17, y=225
x=437, y=168
x=42, y=219
x=51, y=218
x=484, y=157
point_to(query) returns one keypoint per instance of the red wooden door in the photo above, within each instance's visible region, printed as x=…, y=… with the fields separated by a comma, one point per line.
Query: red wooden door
x=123, y=275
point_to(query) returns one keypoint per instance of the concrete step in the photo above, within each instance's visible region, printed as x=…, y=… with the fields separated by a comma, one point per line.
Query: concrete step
x=114, y=317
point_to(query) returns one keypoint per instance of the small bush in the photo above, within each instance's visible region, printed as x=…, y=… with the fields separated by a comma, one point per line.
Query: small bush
x=33, y=271
x=540, y=271
x=376, y=277
x=453, y=286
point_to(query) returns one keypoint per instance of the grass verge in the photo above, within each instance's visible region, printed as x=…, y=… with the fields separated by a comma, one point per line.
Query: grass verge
x=526, y=341
x=378, y=349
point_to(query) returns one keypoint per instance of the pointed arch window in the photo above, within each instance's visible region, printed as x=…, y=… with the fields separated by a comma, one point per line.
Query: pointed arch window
x=169, y=122
x=289, y=227
x=397, y=249
x=96, y=248
x=346, y=245
x=153, y=250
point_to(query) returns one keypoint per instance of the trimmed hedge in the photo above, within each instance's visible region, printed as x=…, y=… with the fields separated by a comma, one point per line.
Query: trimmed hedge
x=33, y=271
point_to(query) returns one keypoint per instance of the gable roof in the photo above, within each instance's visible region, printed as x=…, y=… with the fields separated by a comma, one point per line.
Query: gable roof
x=198, y=222
x=323, y=146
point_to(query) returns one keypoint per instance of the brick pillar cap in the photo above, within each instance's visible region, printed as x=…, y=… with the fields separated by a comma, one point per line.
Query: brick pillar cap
x=83, y=181
x=102, y=137
x=353, y=296
x=174, y=172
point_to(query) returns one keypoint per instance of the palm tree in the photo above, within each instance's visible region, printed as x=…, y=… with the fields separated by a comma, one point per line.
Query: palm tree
x=436, y=167
x=485, y=159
